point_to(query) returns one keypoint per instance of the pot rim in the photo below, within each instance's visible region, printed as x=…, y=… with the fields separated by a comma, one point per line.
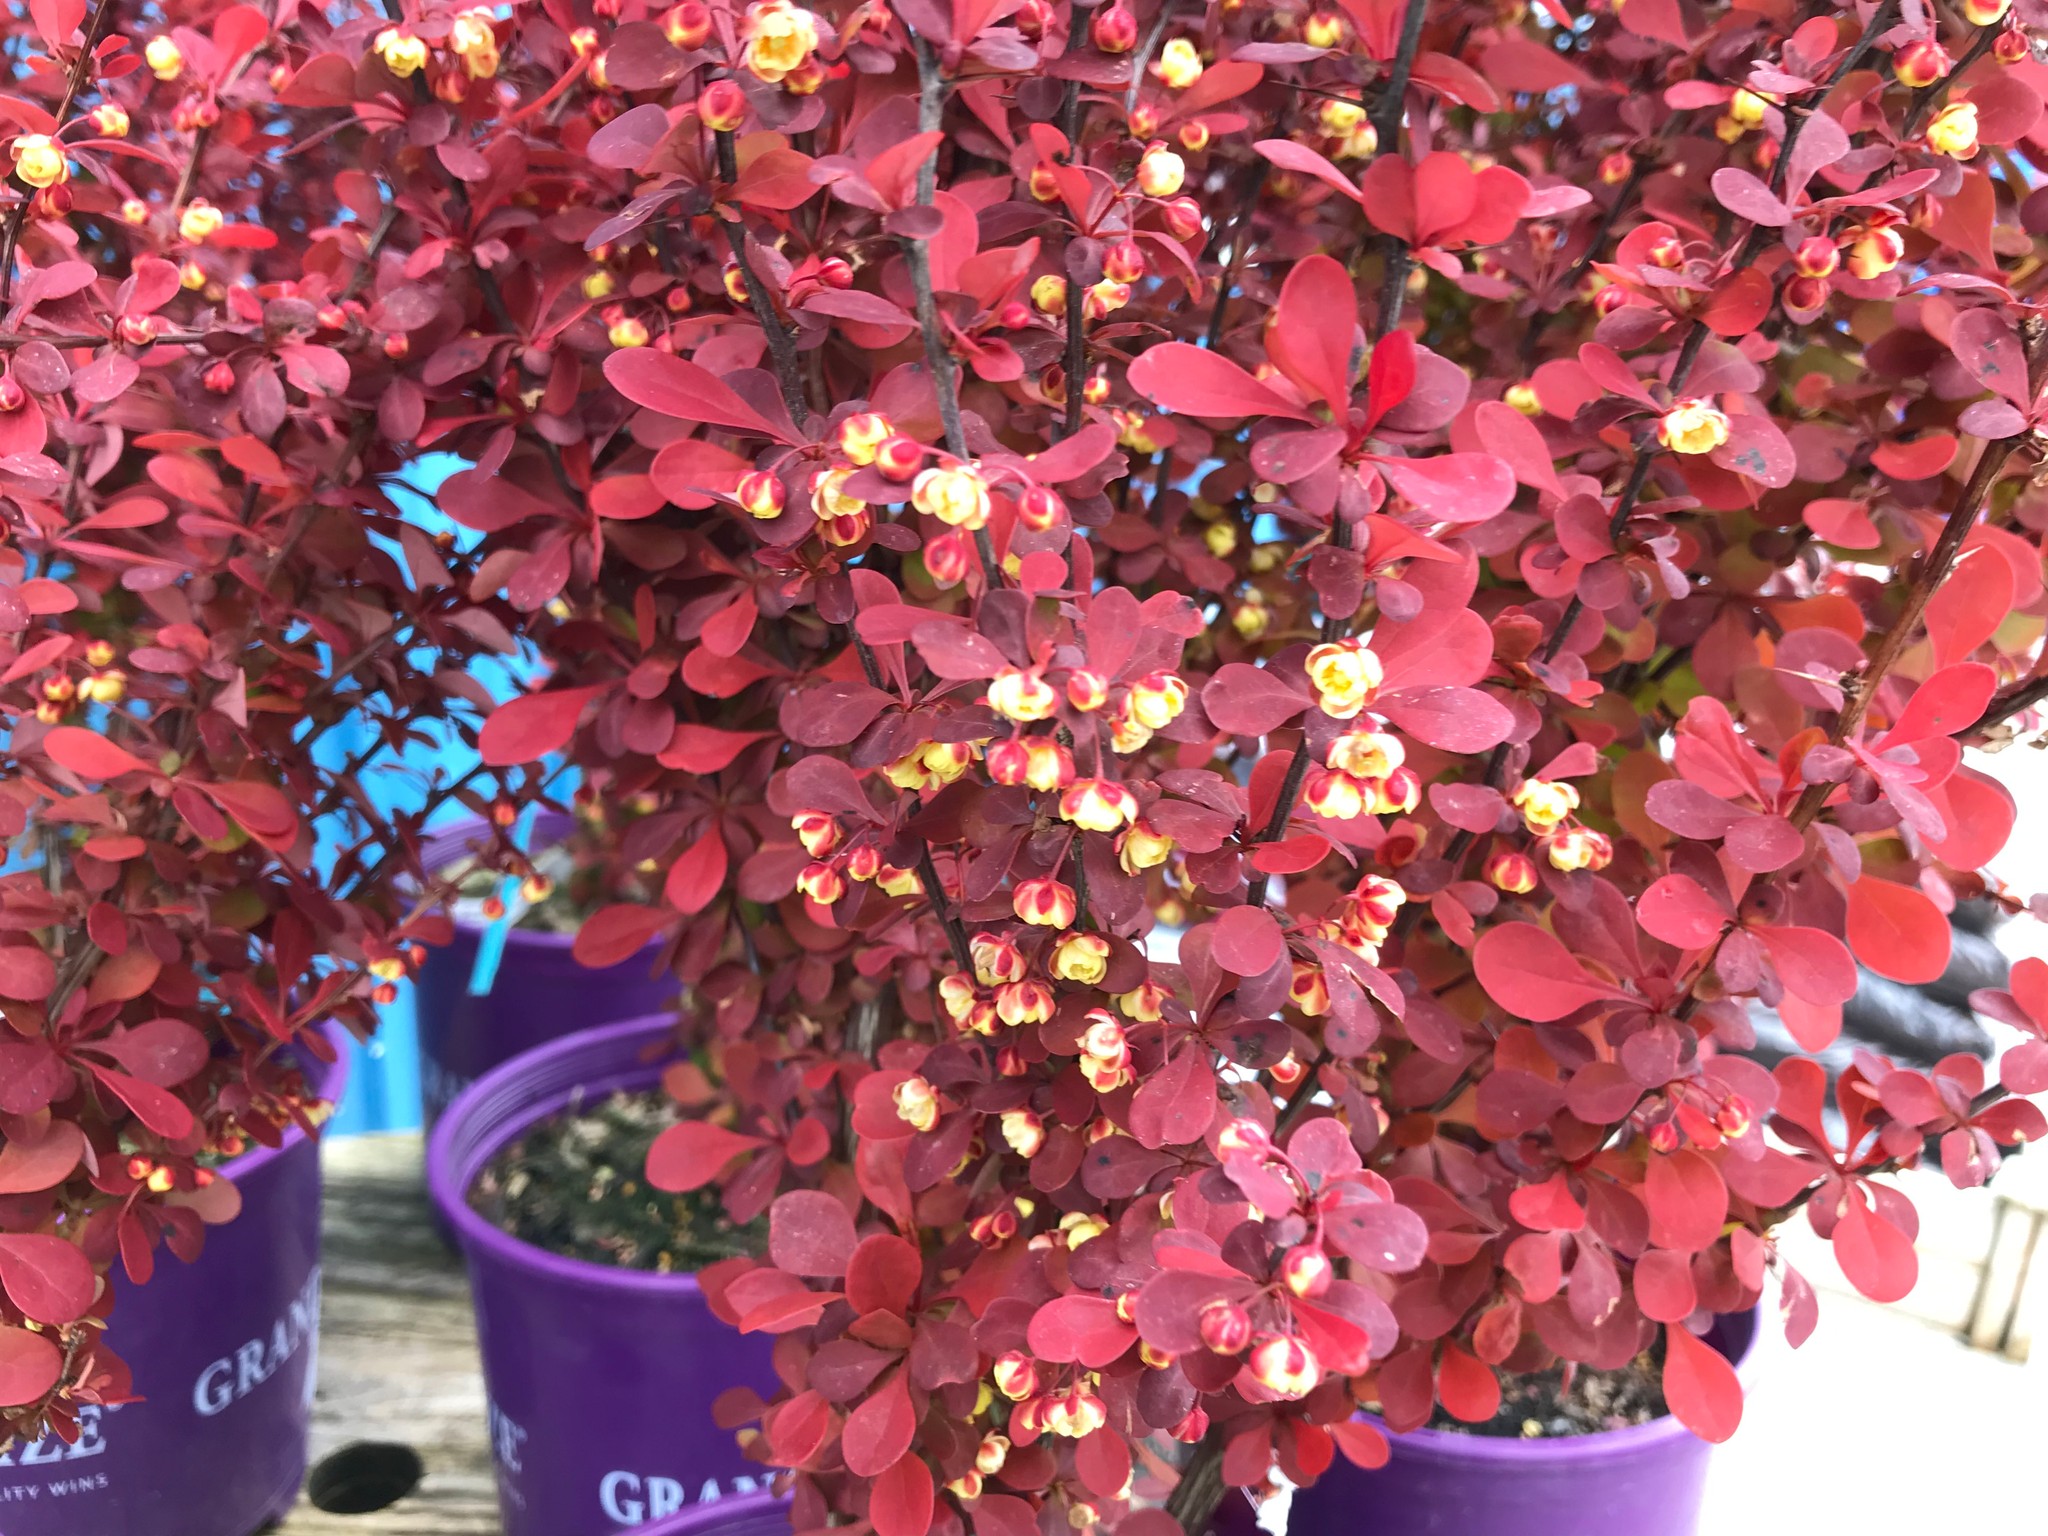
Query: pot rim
x=1446, y=1446
x=504, y=1102
x=328, y=1079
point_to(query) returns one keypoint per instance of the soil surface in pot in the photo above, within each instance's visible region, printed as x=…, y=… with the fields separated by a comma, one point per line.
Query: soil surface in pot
x=1538, y=1405
x=575, y=1185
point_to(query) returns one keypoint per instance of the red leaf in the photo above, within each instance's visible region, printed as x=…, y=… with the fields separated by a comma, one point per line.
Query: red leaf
x=1308, y=339
x=674, y=387
x=166, y=1052
x=726, y=632
x=1199, y=382
x=1362, y=1443
x=1876, y=1256
x=1687, y=1201
x=1080, y=1328
x=528, y=728
x=1466, y=1386
x=90, y=755
x=1453, y=719
x=691, y=1154
x=1247, y=940
x=1678, y=910
x=1664, y=1286
x=1897, y=930
x=706, y=748
x=49, y=1279
x=30, y=1166
x=615, y=934
x=1533, y=976
x=809, y=1233
x=1245, y=700
x=1700, y=1386
x=1103, y=1459
x=27, y=973
x=158, y=1108
x=696, y=877
x=1814, y=966
x=883, y=1274
x=1452, y=487
x=1290, y=156
x=29, y=1366
x=1547, y=1207
x=1176, y=1105
x=900, y=1503
x=877, y=1433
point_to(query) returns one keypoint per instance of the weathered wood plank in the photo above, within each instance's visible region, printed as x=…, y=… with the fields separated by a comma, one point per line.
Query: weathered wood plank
x=398, y=1358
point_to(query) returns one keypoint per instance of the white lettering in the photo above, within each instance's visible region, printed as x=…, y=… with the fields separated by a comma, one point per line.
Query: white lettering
x=664, y=1497
x=210, y=1396
x=627, y=1511
x=506, y=1438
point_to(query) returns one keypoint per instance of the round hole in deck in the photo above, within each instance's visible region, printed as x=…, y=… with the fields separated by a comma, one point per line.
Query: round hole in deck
x=364, y=1477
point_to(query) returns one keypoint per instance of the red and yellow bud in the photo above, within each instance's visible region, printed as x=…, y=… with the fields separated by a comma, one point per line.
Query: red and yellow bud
x=1544, y=802
x=1161, y=172
x=1579, y=848
x=760, y=494
x=1045, y=903
x=1113, y=28
x=1143, y=847
x=1511, y=871
x=1309, y=991
x=1015, y=1375
x=1179, y=64
x=1307, y=1271
x=821, y=882
x=1225, y=1327
x=917, y=1103
x=1284, y=1366
x=955, y=494
x=1098, y=805
x=1921, y=62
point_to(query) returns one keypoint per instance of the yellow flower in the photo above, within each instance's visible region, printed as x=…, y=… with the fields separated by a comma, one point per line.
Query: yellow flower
x=1544, y=802
x=163, y=58
x=1221, y=539
x=1324, y=29
x=1746, y=107
x=777, y=38
x=109, y=121
x=1347, y=675
x=1049, y=293
x=1366, y=754
x=956, y=495
x=1523, y=398
x=1953, y=131
x=1579, y=848
x=627, y=332
x=473, y=40
x=1018, y=695
x=1157, y=699
x=199, y=220
x=403, y=54
x=1142, y=847
x=916, y=1104
x=828, y=496
x=1081, y=957
x=1179, y=64
x=38, y=161
x=1693, y=426
x=1339, y=118
x=1098, y=805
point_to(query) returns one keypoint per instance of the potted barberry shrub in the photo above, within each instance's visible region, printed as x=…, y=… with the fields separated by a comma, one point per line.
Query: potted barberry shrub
x=1021, y=530
x=572, y=863
x=201, y=578
x=591, y=1309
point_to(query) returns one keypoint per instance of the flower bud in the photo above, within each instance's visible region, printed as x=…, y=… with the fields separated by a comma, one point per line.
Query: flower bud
x=1161, y=172
x=1510, y=871
x=163, y=58
x=1018, y=695
x=966, y=1486
x=917, y=1105
x=1051, y=766
x=1084, y=1227
x=1284, y=1366
x=723, y=106
x=1045, y=903
x=821, y=882
x=1874, y=252
x=1746, y=107
x=897, y=458
x=1023, y=1131
x=1124, y=262
x=136, y=330
x=1015, y=1375
x=1806, y=294
x=1193, y=136
x=1522, y=397
x=1179, y=64
x=108, y=121
x=1579, y=848
x=1307, y=1271
x=1396, y=794
x=199, y=221
x=687, y=25
x=1157, y=698
x=1544, y=802
x=1144, y=1002
x=1693, y=426
x=627, y=331
x=1024, y=1002
x=1817, y=256
x=761, y=494
x=1244, y=1135
x=817, y=831
x=1113, y=28
x=2012, y=46
x=862, y=434
x=1985, y=13
x=1033, y=17
x=1921, y=62
x=1366, y=754
x=1323, y=29
x=1225, y=1327
x=1193, y=1427
x=1664, y=1136
x=996, y=960
x=990, y=1455
x=1183, y=217
x=1335, y=796
x=1616, y=168
x=1009, y=761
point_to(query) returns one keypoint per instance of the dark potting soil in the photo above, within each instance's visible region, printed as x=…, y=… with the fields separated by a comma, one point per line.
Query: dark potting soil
x=1539, y=1406
x=575, y=1185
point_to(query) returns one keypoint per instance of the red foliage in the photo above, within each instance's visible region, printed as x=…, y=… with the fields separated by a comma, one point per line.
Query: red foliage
x=970, y=505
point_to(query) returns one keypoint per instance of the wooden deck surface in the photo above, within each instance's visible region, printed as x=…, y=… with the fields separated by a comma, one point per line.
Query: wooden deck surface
x=398, y=1358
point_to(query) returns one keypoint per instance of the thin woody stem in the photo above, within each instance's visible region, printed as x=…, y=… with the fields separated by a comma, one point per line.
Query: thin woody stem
x=781, y=343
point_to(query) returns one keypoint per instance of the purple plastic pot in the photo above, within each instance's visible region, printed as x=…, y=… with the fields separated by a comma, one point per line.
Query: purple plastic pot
x=540, y=992
x=752, y=1514
x=601, y=1380
x=1645, y=1481
x=222, y=1352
